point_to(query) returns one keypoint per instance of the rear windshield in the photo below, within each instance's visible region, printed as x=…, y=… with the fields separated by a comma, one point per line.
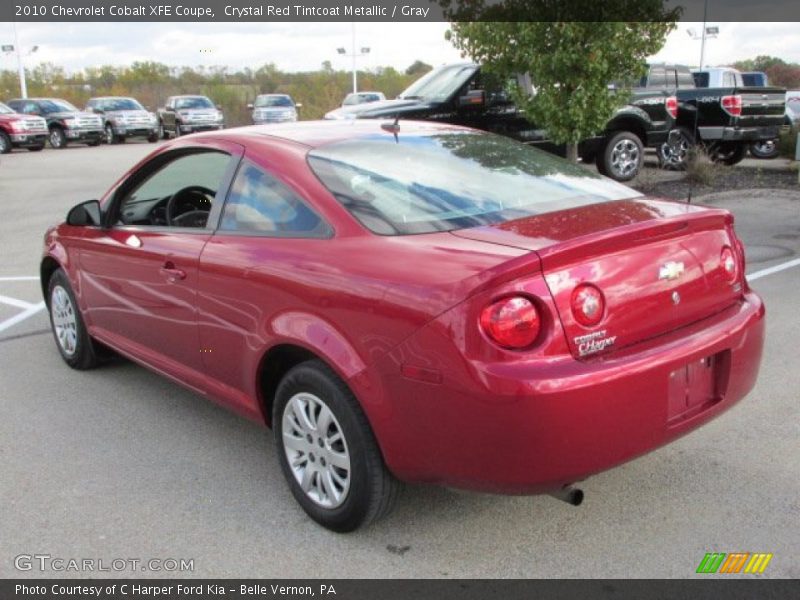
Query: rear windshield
x=453, y=180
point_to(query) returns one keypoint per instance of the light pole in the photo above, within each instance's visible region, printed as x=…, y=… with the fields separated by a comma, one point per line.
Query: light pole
x=354, y=55
x=23, y=87
x=708, y=32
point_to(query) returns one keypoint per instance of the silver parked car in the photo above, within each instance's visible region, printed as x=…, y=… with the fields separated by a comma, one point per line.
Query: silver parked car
x=124, y=118
x=273, y=108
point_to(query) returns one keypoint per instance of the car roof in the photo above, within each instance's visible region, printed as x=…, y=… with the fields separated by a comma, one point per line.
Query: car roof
x=319, y=133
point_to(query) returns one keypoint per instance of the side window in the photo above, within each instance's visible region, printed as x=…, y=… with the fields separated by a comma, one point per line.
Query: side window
x=658, y=77
x=728, y=79
x=180, y=193
x=30, y=108
x=685, y=79
x=258, y=203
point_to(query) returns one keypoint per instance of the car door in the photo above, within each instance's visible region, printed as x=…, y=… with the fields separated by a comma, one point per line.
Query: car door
x=248, y=274
x=138, y=275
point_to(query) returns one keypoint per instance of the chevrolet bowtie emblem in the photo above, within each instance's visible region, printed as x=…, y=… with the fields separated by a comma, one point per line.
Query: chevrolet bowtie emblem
x=670, y=270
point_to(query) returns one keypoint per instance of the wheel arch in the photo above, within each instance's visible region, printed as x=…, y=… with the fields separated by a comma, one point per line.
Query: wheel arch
x=630, y=124
x=47, y=267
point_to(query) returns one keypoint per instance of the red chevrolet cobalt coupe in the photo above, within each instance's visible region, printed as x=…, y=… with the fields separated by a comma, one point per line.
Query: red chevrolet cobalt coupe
x=411, y=302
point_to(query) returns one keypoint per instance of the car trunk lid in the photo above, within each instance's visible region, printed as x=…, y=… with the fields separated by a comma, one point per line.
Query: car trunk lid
x=657, y=264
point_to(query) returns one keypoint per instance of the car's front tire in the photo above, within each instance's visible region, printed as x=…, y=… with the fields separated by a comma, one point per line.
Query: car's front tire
x=72, y=339
x=765, y=149
x=58, y=139
x=327, y=450
x=5, y=143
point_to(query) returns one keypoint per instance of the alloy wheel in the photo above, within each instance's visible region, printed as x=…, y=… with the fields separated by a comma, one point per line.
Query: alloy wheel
x=316, y=450
x=65, y=322
x=625, y=158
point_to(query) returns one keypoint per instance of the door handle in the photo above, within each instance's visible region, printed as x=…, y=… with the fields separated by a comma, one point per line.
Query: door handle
x=172, y=274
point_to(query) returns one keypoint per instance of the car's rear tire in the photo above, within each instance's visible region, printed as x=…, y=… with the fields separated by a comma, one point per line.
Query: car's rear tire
x=71, y=337
x=57, y=138
x=94, y=143
x=36, y=148
x=5, y=143
x=621, y=157
x=153, y=138
x=110, y=136
x=327, y=450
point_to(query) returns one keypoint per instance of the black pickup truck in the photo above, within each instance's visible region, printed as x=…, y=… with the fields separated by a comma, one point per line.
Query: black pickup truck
x=461, y=94
x=725, y=120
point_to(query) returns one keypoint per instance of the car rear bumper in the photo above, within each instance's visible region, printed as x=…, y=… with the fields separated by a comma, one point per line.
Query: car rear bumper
x=532, y=427
x=24, y=140
x=736, y=134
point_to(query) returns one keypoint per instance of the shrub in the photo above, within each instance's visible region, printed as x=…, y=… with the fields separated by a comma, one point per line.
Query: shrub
x=700, y=168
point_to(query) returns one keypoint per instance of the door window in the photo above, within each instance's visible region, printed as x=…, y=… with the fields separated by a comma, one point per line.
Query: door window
x=180, y=193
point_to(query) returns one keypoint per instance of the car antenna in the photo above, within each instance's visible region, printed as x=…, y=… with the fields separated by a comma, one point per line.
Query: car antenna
x=697, y=103
x=393, y=128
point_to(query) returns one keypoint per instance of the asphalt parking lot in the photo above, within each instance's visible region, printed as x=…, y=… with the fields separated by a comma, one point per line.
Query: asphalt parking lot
x=121, y=463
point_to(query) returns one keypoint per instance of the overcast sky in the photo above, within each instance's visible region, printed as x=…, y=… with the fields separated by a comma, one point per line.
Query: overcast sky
x=304, y=46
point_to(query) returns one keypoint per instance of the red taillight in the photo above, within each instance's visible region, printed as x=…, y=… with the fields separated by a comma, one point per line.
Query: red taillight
x=511, y=322
x=588, y=304
x=672, y=107
x=732, y=105
x=729, y=264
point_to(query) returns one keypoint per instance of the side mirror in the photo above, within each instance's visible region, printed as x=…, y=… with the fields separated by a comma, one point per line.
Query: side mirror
x=249, y=106
x=298, y=105
x=169, y=108
x=219, y=106
x=84, y=214
x=473, y=98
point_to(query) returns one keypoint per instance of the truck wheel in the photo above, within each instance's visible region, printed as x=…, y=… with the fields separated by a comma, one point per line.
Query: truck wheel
x=327, y=450
x=764, y=149
x=5, y=143
x=58, y=138
x=622, y=156
x=110, y=138
x=673, y=155
x=728, y=153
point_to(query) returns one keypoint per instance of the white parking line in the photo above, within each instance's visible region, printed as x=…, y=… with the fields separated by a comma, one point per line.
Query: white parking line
x=775, y=269
x=14, y=302
x=29, y=309
x=25, y=314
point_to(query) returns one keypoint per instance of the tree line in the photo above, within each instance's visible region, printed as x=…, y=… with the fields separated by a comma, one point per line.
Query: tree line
x=151, y=82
